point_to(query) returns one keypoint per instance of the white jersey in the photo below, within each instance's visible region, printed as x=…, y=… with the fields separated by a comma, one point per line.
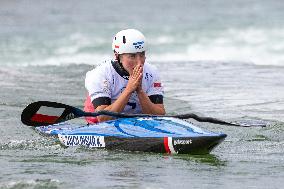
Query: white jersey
x=107, y=81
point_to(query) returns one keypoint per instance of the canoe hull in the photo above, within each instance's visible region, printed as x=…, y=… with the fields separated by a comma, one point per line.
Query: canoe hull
x=161, y=135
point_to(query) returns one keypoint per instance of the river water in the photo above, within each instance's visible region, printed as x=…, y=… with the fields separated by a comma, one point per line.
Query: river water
x=216, y=58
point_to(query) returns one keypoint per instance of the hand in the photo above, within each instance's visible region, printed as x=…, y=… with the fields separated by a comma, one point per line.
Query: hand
x=135, y=79
x=139, y=87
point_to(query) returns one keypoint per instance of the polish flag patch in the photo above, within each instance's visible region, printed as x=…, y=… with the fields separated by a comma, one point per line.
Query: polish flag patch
x=47, y=114
x=156, y=84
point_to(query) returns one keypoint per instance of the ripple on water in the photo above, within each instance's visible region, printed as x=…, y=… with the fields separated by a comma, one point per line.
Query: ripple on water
x=32, y=183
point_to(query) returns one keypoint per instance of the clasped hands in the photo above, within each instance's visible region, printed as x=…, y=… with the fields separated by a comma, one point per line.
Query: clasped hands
x=135, y=79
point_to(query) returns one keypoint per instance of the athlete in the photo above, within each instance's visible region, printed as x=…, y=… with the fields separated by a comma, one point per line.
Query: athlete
x=126, y=84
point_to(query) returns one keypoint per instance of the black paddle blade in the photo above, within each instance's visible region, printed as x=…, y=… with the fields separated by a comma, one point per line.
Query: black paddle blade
x=46, y=113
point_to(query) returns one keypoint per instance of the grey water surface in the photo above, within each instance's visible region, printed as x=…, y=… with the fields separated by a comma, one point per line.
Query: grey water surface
x=216, y=58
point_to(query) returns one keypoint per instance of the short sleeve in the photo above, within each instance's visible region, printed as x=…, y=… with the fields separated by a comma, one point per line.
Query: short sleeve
x=97, y=83
x=156, y=86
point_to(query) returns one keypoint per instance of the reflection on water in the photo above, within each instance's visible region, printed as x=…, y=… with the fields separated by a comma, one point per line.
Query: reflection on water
x=208, y=159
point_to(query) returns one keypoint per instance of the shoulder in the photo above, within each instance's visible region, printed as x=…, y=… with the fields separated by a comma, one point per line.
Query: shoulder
x=154, y=84
x=105, y=65
x=151, y=72
x=150, y=68
x=97, y=80
x=103, y=68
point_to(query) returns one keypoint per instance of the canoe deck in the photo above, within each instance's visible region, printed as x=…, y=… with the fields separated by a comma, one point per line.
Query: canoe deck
x=155, y=134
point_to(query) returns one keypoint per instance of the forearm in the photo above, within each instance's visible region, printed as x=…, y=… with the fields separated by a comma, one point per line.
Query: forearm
x=116, y=106
x=120, y=103
x=149, y=107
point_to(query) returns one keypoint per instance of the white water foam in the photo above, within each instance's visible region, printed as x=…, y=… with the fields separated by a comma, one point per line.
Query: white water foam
x=251, y=45
x=261, y=47
x=83, y=58
x=30, y=183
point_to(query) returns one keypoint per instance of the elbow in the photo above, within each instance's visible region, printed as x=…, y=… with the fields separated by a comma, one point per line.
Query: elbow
x=104, y=118
x=160, y=111
x=163, y=112
x=101, y=119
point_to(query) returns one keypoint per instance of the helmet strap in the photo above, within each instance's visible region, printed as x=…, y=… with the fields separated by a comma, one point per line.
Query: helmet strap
x=117, y=65
x=120, y=68
x=116, y=56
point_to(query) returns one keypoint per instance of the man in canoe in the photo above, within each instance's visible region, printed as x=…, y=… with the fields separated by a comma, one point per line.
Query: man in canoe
x=126, y=84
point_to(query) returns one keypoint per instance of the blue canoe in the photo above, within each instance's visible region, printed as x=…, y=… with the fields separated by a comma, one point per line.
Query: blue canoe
x=149, y=134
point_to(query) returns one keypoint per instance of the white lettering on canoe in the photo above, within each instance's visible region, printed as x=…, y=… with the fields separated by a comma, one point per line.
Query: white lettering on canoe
x=82, y=140
x=180, y=141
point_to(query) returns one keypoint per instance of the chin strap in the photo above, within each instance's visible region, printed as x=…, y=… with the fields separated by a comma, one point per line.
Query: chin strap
x=119, y=69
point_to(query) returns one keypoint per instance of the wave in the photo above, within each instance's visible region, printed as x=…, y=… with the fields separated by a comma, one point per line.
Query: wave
x=250, y=45
x=256, y=46
x=91, y=59
x=259, y=46
x=30, y=183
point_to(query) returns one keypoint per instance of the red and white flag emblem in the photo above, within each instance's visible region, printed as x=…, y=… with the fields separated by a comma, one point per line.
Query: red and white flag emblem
x=157, y=84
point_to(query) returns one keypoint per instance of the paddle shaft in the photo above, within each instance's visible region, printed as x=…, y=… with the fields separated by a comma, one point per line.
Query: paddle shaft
x=181, y=116
x=47, y=113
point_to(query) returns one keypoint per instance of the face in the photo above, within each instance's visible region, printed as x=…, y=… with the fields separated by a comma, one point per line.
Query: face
x=130, y=60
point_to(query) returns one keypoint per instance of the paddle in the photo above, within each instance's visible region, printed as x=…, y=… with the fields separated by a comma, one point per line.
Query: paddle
x=46, y=113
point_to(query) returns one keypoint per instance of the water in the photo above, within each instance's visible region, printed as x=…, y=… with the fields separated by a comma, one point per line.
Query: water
x=217, y=58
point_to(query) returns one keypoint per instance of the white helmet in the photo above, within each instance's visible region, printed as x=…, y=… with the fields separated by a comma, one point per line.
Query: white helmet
x=129, y=41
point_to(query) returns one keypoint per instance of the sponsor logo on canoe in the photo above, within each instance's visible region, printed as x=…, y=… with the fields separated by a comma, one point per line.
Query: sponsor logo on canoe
x=82, y=140
x=182, y=142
